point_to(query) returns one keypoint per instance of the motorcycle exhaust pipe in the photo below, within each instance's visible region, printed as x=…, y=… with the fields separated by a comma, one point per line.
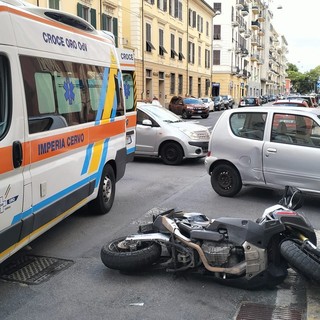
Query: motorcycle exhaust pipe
x=173, y=228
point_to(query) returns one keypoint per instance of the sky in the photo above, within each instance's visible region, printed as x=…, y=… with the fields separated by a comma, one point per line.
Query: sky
x=298, y=22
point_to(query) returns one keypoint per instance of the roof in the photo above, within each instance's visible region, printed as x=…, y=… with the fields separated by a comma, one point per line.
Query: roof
x=301, y=110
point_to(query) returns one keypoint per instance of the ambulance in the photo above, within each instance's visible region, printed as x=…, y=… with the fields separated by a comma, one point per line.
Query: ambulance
x=62, y=121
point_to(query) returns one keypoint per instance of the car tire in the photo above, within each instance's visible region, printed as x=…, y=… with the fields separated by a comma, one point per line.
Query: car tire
x=184, y=114
x=205, y=116
x=226, y=180
x=107, y=190
x=171, y=153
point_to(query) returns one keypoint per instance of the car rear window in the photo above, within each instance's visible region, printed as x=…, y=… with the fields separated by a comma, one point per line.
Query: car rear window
x=248, y=125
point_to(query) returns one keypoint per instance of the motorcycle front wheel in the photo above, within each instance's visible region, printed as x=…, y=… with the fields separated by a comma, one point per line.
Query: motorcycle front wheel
x=301, y=259
x=118, y=255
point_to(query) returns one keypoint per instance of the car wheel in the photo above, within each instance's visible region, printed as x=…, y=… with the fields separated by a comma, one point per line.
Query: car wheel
x=184, y=114
x=171, y=153
x=205, y=116
x=226, y=180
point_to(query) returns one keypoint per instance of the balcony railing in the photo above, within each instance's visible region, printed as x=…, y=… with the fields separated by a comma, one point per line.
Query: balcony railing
x=255, y=25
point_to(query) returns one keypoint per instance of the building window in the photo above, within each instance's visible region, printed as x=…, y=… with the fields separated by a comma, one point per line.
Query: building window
x=207, y=59
x=110, y=24
x=88, y=14
x=162, y=5
x=180, y=84
x=162, y=49
x=216, y=57
x=207, y=29
x=191, y=52
x=172, y=83
x=199, y=55
x=181, y=56
x=54, y=4
x=217, y=32
x=217, y=6
x=149, y=45
x=200, y=24
x=150, y=1
x=173, y=51
x=175, y=9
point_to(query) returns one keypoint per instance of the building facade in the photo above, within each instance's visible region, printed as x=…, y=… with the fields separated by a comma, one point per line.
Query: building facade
x=192, y=47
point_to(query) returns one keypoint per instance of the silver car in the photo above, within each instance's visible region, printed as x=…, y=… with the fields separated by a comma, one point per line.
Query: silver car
x=161, y=133
x=267, y=147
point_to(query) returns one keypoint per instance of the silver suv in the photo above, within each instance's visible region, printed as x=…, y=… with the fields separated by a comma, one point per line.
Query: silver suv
x=161, y=133
x=267, y=147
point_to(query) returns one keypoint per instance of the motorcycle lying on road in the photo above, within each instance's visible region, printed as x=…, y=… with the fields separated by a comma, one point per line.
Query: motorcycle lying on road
x=238, y=252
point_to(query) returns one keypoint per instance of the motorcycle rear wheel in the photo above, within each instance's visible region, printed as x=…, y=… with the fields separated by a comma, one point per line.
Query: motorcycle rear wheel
x=301, y=259
x=116, y=257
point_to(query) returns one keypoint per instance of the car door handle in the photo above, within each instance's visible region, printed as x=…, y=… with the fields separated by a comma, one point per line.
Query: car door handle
x=271, y=150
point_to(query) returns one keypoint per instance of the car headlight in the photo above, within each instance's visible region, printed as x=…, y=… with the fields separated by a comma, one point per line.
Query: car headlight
x=191, y=134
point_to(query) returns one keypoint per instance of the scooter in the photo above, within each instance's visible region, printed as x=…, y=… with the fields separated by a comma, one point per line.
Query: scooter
x=234, y=251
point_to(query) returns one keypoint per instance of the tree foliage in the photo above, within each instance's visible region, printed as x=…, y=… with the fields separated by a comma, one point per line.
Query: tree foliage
x=303, y=82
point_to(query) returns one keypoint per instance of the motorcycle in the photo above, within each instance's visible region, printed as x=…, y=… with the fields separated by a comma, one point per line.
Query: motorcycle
x=234, y=251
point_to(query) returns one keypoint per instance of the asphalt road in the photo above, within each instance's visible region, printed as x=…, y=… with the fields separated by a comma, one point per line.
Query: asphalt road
x=88, y=290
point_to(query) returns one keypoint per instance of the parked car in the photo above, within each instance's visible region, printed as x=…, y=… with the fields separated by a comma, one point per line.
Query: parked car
x=228, y=101
x=268, y=147
x=249, y=102
x=218, y=103
x=309, y=99
x=208, y=102
x=161, y=133
x=291, y=103
x=264, y=99
x=188, y=107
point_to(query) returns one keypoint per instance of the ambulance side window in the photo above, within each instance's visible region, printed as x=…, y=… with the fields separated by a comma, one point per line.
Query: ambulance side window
x=5, y=96
x=64, y=93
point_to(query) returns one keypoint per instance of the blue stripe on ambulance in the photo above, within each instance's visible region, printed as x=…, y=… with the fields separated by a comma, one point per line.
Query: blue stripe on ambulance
x=87, y=159
x=102, y=95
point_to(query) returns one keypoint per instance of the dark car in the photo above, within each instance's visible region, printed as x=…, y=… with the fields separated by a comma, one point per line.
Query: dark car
x=249, y=102
x=188, y=107
x=218, y=103
x=228, y=101
x=264, y=99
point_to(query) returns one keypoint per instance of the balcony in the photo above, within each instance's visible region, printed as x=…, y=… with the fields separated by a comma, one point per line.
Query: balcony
x=239, y=6
x=254, y=57
x=242, y=28
x=255, y=9
x=247, y=34
x=254, y=41
x=255, y=25
x=244, y=53
x=238, y=50
x=260, y=61
x=235, y=23
x=260, y=46
x=261, y=32
x=262, y=17
x=235, y=70
x=245, y=11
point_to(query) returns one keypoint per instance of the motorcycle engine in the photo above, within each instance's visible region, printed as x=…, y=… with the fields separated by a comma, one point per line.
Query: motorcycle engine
x=220, y=254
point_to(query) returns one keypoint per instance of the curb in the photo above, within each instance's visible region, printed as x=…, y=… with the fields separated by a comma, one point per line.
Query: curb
x=313, y=295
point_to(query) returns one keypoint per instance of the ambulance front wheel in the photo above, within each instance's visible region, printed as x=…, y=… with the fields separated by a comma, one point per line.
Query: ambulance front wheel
x=107, y=189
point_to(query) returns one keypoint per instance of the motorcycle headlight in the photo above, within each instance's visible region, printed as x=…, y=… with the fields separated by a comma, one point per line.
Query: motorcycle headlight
x=191, y=134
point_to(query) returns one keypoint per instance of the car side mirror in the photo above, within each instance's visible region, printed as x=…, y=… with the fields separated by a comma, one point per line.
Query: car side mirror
x=147, y=122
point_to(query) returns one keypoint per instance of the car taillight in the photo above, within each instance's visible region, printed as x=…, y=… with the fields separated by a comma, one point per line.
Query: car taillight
x=209, y=153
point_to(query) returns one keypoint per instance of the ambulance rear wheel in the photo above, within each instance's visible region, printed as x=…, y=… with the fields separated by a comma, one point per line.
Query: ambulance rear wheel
x=107, y=189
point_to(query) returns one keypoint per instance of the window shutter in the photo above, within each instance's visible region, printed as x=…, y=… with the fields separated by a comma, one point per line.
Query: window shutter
x=93, y=14
x=104, y=22
x=115, y=30
x=79, y=10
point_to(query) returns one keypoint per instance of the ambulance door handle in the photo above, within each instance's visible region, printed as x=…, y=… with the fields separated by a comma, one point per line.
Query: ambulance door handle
x=17, y=154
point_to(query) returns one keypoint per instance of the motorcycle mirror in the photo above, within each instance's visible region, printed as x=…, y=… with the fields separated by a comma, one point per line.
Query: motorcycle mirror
x=292, y=198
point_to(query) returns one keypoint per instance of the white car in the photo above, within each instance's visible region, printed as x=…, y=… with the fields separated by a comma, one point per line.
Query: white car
x=161, y=133
x=208, y=102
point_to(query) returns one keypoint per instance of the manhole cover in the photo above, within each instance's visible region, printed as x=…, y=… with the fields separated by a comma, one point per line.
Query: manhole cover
x=250, y=311
x=33, y=269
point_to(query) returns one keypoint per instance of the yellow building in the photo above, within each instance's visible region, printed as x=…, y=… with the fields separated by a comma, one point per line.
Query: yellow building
x=171, y=40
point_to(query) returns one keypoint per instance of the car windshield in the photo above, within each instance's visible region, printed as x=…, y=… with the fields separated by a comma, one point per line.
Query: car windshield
x=250, y=101
x=216, y=98
x=205, y=99
x=192, y=101
x=161, y=114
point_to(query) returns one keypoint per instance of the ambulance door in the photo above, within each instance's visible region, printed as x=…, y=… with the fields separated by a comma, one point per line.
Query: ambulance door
x=12, y=153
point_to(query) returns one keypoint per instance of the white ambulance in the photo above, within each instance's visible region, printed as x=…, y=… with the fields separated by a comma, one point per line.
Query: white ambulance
x=62, y=121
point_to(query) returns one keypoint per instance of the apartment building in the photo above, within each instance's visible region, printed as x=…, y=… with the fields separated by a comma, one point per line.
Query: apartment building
x=248, y=53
